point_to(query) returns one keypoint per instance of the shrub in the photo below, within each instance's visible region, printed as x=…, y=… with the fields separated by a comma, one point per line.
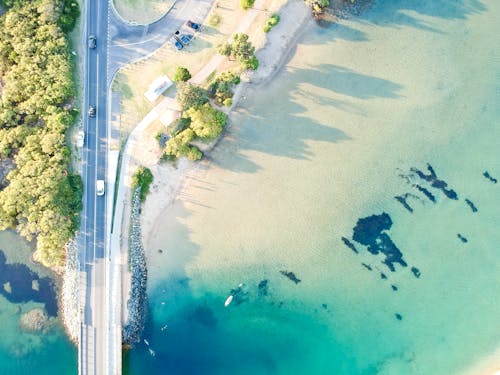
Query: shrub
x=271, y=22
x=142, y=178
x=228, y=102
x=214, y=20
x=252, y=63
x=246, y=4
x=181, y=74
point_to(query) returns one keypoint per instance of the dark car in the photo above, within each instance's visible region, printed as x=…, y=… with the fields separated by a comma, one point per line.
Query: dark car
x=193, y=25
x=91, y=111
x=175, y=42
x=186, y=38
x=92, y=42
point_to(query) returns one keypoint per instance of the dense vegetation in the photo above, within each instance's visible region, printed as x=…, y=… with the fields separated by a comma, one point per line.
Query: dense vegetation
x=142, y=178
x=271, y=22
x=318, y=6
x=199, y=121
x=241, y=50
x=41, y=197
x=221, y=88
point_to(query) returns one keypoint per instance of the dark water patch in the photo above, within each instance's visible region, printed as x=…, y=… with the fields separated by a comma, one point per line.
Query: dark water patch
x=325, y=306
x=367, y=266
x=398, y=316
x=402, y=199
x=462, y=238
x=471, y=205
x=370, y=231
x=263, y=287
x=205, y=316
x=426, y=192
x=18, y=284
x=435, y=181
x=350, y=245
x=383, y=276
x=416, y=272
x=394, y=287
x=291, y=276
x=490, y=177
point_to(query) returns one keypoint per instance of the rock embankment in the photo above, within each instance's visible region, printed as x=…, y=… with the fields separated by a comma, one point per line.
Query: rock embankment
x=70, y=296
x=137, y=260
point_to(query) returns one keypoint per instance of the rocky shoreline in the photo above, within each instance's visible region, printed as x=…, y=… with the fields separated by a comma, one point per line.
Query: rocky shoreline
x=70, y=293
x=137, y=302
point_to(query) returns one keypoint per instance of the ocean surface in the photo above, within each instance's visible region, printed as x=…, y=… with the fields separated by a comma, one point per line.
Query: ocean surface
x=25, y=285
x=352, y=210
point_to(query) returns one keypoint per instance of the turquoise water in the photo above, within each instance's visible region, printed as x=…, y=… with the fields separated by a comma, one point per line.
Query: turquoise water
x=333, y=139
x=23, y=352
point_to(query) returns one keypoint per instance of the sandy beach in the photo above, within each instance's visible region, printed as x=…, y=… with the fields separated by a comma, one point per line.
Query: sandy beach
x=273, y=49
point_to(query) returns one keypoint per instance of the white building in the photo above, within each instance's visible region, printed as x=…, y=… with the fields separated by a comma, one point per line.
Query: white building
x=157, y=87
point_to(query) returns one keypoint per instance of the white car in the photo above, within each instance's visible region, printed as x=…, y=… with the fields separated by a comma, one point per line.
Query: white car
x=99, y=187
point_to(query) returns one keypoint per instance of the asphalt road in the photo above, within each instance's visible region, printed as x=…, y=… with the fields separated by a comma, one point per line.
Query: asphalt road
x=93, y=258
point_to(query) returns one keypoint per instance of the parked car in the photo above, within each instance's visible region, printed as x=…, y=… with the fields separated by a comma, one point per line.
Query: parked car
x=92, y=42
x=193, y=25
x=175, y=42
x=91, y=111
x=186, y=38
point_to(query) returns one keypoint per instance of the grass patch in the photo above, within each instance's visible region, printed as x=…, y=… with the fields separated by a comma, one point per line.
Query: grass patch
x=142, y=11
x=214, y=20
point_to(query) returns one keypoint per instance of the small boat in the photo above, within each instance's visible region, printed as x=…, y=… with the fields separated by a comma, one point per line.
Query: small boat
x=164, y=327
x=228, y=301
x=146, y=342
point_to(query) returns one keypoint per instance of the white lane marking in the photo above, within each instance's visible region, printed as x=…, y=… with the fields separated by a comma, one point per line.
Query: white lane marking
x=135, y=43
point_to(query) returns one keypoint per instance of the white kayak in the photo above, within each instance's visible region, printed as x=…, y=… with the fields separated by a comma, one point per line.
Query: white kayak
x=228, y=301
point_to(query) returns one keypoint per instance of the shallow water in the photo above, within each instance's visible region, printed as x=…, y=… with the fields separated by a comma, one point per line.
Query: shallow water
x=23, y=352
x=333, y=139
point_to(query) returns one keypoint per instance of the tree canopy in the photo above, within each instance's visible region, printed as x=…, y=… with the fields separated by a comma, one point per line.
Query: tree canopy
x=42, y=198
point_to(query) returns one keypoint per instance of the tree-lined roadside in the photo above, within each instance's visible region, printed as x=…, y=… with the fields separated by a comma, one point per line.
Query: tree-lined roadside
x=40, y=196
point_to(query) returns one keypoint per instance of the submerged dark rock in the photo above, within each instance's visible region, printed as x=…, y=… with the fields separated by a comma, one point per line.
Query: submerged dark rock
x=471, y=205
x=426, y=192
x=490, y=177
x=435, y=181
x=383, y=276
x=402, y=199
x=263, y=287
x=416, y=272
x=19, y=284
x=462, y=238
x=394, y=287
x=349, y=244
x=398, y=316
x=325, y=306
x=367, y=266
x=205, y=316
x=291, y=276
x=370, y=231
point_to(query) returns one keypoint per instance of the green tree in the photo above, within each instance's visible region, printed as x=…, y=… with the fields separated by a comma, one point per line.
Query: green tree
x=189, y=95
x=181, y=74
x=206, y=122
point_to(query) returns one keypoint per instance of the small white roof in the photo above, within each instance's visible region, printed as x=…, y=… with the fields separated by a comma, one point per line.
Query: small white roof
x=157, y=87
